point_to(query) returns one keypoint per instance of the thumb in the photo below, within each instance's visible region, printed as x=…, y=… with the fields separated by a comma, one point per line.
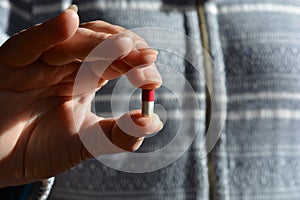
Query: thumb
x=109, y=136
x=26, y=46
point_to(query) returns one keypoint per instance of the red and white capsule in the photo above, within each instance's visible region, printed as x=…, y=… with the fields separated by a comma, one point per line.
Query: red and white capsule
x=148, y=102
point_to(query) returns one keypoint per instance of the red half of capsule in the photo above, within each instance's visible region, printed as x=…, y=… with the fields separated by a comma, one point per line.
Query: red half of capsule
x=148, y=95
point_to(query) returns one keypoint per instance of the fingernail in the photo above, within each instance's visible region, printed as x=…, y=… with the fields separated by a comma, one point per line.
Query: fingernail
x=143, y=121
x=157, y=124
x=141, y=45
x=73, y=7
x=150, y=58
x=124, y=42
x=151, y=74
x=112, y=49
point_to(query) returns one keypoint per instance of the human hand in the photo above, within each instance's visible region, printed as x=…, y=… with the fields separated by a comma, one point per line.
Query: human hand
x=38, y=132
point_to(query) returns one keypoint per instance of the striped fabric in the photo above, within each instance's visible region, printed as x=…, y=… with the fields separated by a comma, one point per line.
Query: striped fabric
x=254, y=44
x=258, y=155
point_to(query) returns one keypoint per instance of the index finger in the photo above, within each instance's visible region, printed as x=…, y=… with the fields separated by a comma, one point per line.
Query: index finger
x=26, y=46
x=137, y=64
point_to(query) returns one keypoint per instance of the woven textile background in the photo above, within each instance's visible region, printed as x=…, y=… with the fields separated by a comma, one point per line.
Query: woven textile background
x=255, y=44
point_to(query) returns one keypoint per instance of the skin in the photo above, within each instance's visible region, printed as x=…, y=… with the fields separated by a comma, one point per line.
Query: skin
x=39, y=137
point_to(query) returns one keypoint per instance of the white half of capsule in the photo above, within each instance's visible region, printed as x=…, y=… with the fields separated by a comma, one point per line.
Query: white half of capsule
x=147, y=107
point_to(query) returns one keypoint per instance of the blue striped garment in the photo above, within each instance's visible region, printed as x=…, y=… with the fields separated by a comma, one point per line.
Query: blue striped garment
x=255, y=49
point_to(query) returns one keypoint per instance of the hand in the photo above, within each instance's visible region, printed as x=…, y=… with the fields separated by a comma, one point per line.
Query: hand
x=38, y=134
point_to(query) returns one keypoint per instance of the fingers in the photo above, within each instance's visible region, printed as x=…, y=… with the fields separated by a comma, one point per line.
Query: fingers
x=115, y=136
x=102, y=26
x=137, y=65
x=130, y=129
x=141, y=53
x=91, y=34
x=77, y=47
x=94, y=39
x=27, y=46
x=84, y=41
x=145, y=77
x=137, y=125
x=38, y=75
